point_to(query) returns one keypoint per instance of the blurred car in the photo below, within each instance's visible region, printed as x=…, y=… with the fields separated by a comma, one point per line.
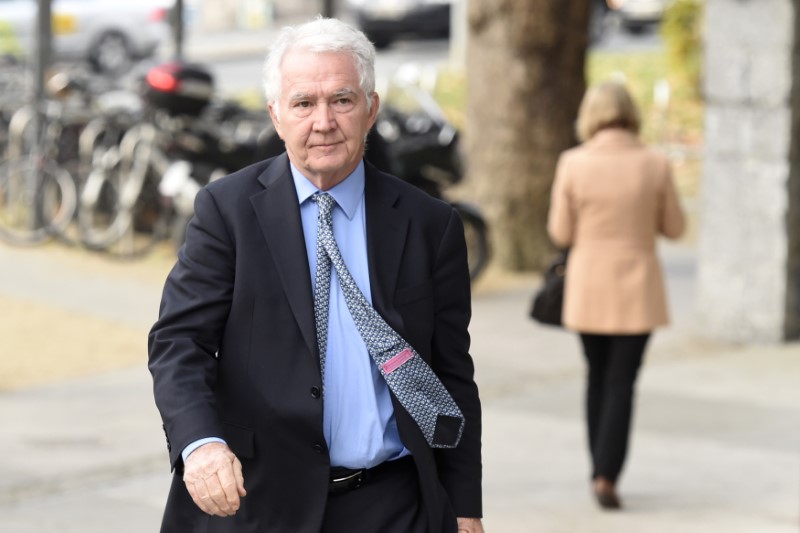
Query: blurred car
x=110, y=35
x=385, y=21
x=635, y=15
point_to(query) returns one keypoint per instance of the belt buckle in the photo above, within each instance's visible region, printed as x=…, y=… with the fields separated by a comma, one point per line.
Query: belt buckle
x=353, y=481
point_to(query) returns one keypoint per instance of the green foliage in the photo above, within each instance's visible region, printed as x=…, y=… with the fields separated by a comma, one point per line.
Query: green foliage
x=681, y=30
x=451, y=94
x=642, y=71
x=678, y=125
x=9, y=44
x=251, y=99
x=680, y=122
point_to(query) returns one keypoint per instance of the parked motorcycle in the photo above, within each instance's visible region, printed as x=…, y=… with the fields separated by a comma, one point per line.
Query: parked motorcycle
x=185, y=139
x=189, y=138
x=413, y=139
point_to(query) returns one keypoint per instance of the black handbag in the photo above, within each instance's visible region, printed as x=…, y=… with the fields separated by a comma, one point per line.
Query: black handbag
x=549, y=299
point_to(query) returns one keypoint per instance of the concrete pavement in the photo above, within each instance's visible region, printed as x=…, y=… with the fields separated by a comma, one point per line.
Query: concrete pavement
x=716, y=442
x=715, y=448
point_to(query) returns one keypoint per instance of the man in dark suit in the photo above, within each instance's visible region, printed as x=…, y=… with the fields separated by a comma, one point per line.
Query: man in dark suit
x=269, y=429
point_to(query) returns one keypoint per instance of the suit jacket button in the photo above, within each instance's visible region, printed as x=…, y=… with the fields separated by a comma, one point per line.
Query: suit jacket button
x=318, y=448
x=315, y=392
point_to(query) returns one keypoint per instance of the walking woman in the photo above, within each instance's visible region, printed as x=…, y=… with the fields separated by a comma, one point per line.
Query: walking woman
x=611, y=198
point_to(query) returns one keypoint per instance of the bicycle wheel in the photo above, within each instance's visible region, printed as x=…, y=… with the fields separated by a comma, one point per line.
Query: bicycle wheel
x=37, y=200
x=21, y=132
x=100, y=135
x=143, y=218
x=149, y=223
x=101, y=220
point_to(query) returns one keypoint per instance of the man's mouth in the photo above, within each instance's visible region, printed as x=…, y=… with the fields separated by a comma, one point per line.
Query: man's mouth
x=325, y=148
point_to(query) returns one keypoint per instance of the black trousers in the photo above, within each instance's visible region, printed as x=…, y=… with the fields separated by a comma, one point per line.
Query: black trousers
x=388, y=503
x=614, y=362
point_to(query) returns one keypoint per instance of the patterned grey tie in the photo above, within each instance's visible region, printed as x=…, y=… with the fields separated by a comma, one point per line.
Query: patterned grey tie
x=412, y=381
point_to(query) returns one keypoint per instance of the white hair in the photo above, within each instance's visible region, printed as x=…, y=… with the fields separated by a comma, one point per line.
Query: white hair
x=321, y=35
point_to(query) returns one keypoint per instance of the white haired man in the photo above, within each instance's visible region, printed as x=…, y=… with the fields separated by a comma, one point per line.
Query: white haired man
x=314, y=299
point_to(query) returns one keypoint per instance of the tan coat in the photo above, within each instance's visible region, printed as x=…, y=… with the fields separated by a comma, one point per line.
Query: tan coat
x=611, y=198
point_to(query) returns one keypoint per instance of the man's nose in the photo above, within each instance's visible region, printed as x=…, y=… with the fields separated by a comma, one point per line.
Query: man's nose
x=324, y=117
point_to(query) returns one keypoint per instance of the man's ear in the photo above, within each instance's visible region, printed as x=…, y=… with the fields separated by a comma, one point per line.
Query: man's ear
x=376, y=104
x=274, y=116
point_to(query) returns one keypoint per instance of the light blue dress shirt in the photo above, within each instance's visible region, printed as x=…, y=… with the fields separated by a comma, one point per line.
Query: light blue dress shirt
x=358, y=418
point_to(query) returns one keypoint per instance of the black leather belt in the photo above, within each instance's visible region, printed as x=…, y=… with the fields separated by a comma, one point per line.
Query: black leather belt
x=345, y=479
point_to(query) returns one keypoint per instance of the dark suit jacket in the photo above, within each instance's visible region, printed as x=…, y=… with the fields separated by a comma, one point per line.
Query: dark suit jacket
x=234, y=351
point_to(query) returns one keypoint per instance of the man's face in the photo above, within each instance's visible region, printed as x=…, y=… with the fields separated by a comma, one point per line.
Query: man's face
x=323, y=116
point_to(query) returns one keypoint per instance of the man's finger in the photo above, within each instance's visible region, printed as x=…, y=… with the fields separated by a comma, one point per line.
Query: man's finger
x=218, y=497
x=213, y=477
x=227, y=481
x=237, y=473
x=204, y=500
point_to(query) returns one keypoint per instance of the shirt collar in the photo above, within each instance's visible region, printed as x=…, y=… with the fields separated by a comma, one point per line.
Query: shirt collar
x=347, y=193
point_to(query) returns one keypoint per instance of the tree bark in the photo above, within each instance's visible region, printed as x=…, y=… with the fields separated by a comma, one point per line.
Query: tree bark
x=525, y=80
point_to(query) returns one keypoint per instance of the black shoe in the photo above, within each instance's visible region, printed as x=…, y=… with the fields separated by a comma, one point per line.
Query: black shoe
x=606, y=494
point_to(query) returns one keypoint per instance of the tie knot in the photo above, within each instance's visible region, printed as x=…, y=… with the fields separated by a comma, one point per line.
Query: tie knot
x=325, y=203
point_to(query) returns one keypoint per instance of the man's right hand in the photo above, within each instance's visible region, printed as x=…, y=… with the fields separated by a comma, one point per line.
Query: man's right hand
x=213, y=477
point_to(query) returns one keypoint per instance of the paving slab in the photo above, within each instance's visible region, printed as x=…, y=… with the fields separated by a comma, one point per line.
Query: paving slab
x=715, y=447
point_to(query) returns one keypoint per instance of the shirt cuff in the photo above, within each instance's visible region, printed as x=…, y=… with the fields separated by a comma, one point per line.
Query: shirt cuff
x=196, y=444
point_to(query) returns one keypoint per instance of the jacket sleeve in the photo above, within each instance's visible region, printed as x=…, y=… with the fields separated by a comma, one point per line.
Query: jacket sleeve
x=561, y=216
x=671, y=221
x=184, y=341
x=460, y=469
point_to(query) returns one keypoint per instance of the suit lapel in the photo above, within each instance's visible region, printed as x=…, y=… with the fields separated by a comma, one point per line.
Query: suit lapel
x=278, y=214
x=387, y=228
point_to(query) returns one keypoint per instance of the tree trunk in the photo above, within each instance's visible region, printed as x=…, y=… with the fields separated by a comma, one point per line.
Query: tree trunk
x=525, y=76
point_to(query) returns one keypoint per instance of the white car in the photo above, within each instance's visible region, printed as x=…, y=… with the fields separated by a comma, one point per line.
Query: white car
x=635, y=15
x=109, y=34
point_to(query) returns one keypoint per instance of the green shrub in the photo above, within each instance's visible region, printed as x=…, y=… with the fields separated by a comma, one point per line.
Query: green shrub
x=9, y=44
x=682, y=30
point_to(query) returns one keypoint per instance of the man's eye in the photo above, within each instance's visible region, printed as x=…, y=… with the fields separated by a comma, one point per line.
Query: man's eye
x=344, y=103
x=302, y=108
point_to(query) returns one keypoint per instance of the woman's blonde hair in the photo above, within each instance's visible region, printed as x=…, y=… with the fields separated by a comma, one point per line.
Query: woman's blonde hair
x=607, y=105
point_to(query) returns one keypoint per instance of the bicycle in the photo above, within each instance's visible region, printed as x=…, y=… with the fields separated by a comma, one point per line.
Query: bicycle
x=120, y=211
x=101, y=157
x=141, y=193
x=40, y=177
x=38, y=198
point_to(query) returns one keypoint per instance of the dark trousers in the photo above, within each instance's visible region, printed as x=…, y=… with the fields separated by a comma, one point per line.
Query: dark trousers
x=388, y=503
x=614, y=362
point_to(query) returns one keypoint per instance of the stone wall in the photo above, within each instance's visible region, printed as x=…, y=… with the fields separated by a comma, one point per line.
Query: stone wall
x=744, y=238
